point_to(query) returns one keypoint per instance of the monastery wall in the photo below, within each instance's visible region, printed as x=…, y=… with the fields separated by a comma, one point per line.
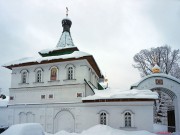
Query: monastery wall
x=76, y=117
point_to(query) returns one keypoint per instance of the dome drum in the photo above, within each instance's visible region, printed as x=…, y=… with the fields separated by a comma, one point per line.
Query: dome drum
x=66, y=24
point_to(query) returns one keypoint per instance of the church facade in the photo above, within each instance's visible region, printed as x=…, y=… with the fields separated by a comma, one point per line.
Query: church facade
x=62, y=90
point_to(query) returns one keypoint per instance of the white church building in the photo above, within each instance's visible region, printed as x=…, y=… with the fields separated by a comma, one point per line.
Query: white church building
x=64, y=89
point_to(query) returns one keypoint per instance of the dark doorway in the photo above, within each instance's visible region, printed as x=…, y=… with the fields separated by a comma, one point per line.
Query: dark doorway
x=171, y=121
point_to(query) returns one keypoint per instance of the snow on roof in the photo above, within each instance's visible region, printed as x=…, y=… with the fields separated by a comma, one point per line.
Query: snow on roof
x=157, y=75
x=75, y=54
x=48, y=50
x=156, y=67
x=4, y=102
x=104, y=84
x=122, y=94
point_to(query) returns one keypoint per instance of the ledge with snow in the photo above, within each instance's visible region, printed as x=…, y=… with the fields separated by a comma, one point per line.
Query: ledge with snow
x=112, y=95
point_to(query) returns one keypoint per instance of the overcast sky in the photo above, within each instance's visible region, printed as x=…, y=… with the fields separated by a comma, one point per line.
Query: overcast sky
x=113, y=31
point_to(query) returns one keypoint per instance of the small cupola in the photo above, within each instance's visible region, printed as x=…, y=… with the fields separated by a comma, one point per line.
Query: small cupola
x=156, y=69
x=66, y=24
x=65, y=44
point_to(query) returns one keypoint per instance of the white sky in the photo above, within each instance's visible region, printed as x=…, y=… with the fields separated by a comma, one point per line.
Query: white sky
x=112, y=30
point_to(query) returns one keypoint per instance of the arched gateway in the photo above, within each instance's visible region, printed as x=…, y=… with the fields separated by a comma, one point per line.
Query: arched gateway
x=64, y=120
x=169, y=87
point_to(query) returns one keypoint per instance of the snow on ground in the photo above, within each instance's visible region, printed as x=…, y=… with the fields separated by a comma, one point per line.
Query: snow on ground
x=104, y=130
x=163, y=130
x=24, y=129
x=36, y=129
x=159, y=128
x=115, y=93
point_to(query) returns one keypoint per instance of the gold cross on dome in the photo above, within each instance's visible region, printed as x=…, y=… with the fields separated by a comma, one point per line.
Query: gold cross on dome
x=67, y=11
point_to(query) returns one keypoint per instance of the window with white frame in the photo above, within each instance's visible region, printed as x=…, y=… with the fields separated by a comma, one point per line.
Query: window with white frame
x=127, y=119
x=51, y=96
x=11, y=98
x=24, y=76
x=103, y=118
x=43, y=96
x=39, y=76
x=70, y=73
x=79, y=94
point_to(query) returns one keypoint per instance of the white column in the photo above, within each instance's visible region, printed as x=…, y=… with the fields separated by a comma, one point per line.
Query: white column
x=177, y=113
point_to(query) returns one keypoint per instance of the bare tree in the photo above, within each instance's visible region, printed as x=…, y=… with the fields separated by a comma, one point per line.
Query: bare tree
x=166, y=58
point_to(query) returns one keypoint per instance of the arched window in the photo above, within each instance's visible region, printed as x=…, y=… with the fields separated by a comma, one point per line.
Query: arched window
x=29, y=117
x=22, y=117
x=39, y=76
x=24, y=76
x=127, y=119
x=54, y=74
x=70, y=73
x=70, y=70
x=103, y=118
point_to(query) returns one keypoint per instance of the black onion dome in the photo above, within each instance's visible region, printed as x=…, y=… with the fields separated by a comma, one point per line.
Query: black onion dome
x=66, y=24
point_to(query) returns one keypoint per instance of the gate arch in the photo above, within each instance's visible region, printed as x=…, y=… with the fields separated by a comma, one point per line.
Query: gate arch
x=64, y=120
x=167, y=91
x=167, y=84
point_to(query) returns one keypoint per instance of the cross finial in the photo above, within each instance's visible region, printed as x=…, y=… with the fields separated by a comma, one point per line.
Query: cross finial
x=67, y=11
x=155, y=60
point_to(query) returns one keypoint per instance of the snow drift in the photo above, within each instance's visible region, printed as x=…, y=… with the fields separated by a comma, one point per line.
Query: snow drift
x=104, y=130
x=25, y=129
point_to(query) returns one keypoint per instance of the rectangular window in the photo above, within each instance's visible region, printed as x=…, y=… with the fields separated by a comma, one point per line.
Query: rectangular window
x=51, y=96
x=79, y=94
x=43, y=96
x=11, y=97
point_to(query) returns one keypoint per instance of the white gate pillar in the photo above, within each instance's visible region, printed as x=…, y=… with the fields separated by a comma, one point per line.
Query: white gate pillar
x=177, y=113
